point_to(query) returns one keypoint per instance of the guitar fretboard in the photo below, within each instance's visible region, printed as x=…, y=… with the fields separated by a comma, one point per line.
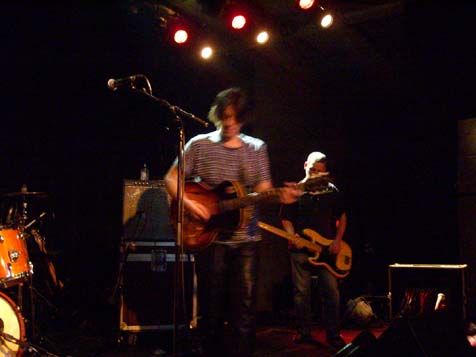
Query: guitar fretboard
x=248, y=200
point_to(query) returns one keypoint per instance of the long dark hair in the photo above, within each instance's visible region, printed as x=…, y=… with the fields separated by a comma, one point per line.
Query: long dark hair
x=234, y=96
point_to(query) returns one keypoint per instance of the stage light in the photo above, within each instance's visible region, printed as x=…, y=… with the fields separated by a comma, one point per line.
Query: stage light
x=262, y=37
x=179, y=29
x=236, y=14
x=206, y=52
x=306, y=4
x=238, y=22
x=180, y=36
x=325, y=17
x=326, y=20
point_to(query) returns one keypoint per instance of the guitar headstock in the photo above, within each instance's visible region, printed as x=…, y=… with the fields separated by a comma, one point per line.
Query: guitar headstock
x=318, y=183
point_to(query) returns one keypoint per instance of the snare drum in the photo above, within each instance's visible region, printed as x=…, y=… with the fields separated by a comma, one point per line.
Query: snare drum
x=15, y=265
x=13, y=326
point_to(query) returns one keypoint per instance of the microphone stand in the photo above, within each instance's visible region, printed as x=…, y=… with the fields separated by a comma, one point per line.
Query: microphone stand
x=179, y=114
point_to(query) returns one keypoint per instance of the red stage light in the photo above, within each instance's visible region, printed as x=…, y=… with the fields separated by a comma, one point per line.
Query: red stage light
x=238, y=22
x=305, y=4
x=180, y=36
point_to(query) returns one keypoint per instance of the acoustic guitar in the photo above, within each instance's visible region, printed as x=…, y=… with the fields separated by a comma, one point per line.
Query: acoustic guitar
x=228, y=203
x=338, y=265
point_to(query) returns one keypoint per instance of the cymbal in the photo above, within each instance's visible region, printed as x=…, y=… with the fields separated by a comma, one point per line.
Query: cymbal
x=26, y=194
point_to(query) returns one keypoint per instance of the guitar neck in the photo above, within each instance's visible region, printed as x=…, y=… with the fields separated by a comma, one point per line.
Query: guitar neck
x=313, y=184
x=248, y=200
x=293, y=239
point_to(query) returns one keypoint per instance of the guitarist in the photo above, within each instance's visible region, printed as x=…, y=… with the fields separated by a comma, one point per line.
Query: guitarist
x=318, y=211
x=227, y=269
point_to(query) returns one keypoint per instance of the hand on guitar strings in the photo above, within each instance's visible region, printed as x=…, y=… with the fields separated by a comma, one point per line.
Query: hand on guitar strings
x=197, y=210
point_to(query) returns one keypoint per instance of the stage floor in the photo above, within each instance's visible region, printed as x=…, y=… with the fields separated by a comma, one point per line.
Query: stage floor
x=271, y=341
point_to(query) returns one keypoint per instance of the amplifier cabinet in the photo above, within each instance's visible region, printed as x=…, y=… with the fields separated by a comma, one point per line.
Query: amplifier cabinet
x=146, y=211
x=429, y=279
x=147, y=289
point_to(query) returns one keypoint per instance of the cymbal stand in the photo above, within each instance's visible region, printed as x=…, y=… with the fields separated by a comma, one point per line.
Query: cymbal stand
x=35, y=220
x=21, y=306
x=24, y=208
x=34, y=293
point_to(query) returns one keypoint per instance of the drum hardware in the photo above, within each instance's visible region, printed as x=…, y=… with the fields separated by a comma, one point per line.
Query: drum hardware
x=16, y=270
x=35, y=220
x=32, y=296
x=48, y=276
x=10, y=218
x=23, y=345
x=15, y=218
x=41, y=242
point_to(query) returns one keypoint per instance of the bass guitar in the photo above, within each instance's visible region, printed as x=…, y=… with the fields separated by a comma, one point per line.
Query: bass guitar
x=338, y=265
x=228, y=204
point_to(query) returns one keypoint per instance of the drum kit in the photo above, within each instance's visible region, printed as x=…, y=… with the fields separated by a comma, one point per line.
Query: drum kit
x=17, y=269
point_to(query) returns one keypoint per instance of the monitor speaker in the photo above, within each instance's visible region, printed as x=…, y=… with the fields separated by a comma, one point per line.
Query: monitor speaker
x=415, y=289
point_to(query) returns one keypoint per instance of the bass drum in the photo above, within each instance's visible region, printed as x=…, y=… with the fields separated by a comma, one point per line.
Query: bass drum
x=12, y=328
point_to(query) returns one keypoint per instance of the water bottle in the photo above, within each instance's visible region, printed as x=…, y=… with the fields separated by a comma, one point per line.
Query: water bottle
x=144, y=173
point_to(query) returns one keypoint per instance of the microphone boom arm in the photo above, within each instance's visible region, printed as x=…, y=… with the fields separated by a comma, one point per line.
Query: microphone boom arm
x=176, y=110
x=130, y=82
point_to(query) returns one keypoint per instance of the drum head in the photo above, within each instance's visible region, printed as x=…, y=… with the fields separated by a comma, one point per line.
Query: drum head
x=11, y=325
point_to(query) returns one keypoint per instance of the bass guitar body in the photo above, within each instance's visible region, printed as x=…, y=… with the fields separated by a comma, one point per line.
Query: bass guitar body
x=338, y=265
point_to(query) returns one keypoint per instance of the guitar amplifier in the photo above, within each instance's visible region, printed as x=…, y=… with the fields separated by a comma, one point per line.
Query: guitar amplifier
x=420, y=282
x=146, y=211
x=147, y=287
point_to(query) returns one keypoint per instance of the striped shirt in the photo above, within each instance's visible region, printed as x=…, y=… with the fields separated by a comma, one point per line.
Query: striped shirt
x=207, y=158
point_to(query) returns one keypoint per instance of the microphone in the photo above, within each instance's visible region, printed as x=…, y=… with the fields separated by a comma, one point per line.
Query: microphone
x=127, y=82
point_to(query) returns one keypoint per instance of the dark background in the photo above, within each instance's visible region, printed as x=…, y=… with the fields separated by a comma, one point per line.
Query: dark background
x=381, y=95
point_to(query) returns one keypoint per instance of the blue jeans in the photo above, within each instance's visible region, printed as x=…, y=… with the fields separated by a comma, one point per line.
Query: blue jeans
x=227, y=292
x=302, y=272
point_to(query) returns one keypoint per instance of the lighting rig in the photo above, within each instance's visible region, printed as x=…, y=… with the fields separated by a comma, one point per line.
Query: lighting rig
x=207, y=27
